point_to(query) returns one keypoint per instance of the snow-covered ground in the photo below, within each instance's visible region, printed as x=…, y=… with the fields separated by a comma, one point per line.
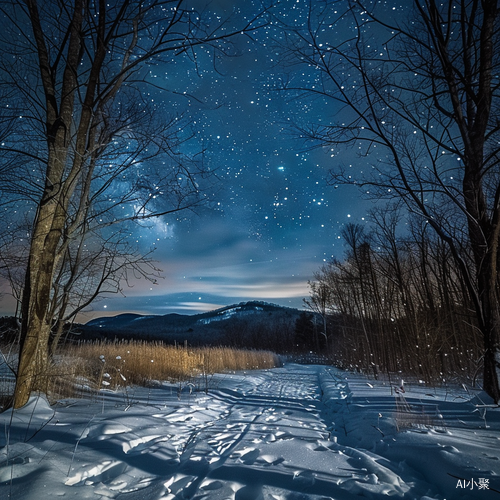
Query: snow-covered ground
x=300, y=432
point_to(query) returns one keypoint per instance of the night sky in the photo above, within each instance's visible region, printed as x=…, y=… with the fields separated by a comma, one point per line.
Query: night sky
x=275, y=219
x=272, y=220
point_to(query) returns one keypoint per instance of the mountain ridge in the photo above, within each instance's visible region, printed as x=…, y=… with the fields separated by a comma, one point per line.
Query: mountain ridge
x=252, y=323
x=255, y=304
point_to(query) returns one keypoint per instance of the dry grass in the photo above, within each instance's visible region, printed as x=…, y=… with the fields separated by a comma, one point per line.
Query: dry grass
x=108, y=365
x=413, y=419
x=409, y=416
x=57, y=381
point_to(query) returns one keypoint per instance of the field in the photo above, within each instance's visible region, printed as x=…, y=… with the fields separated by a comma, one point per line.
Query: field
x=305, y=432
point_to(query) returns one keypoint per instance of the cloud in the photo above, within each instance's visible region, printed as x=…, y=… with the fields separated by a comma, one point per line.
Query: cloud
x=192, y=286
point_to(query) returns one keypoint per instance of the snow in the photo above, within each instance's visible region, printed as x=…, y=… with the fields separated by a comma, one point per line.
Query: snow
x=228, y=313
x=300, y=432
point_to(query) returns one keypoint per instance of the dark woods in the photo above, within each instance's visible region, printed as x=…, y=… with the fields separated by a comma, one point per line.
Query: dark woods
x=396, y=305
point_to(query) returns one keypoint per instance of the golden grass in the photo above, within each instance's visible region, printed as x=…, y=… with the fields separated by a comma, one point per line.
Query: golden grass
x=108, y=365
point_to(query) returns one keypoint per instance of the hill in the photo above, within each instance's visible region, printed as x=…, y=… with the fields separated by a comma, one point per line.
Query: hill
x=247, y=324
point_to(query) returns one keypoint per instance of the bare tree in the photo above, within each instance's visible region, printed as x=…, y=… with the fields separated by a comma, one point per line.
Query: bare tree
x=418, y=98
x=399, y=304
x=82, y=136
x=319, y=302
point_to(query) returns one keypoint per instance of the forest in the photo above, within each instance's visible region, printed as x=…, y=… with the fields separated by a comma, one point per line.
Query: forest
x=396, y=305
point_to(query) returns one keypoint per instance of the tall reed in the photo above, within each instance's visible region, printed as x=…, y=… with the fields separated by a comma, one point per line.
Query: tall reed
x=110, y=364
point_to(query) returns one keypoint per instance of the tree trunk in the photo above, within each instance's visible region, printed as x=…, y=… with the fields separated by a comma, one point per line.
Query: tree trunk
x=33, y=366
x=491, y=373
x=52, y=211
x=490, y=328
x=36, y=325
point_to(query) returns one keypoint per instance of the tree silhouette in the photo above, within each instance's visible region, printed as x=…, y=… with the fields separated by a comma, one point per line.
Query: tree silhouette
x=418, y=98
x=82, y=131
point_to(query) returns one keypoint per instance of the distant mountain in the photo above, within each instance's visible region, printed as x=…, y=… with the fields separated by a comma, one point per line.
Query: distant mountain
x=248, y=324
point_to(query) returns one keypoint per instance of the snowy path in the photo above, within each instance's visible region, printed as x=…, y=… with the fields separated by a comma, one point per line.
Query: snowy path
x=267, y=437
x=264, y=435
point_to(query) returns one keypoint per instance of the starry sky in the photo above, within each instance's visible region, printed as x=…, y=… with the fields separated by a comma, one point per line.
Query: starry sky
x=272, y=220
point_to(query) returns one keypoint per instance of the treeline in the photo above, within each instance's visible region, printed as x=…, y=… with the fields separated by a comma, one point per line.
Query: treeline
x=396, y=303
x=274, y=332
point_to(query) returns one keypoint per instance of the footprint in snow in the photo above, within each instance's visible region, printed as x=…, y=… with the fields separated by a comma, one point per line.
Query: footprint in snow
x=272, y=418
x=102, y=473
x=182, y=418
x=270, y=460
x=250, y=456
x=304, y=478
x=102, y=431
x=211, y=485
x=249, y=493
